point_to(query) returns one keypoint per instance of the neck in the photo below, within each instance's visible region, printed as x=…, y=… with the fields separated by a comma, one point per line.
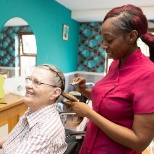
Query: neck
x=122, y=60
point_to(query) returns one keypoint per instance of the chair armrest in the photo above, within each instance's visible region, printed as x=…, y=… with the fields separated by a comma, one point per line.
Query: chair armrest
x=72, y=146
x=74, y=133
x=67, y=113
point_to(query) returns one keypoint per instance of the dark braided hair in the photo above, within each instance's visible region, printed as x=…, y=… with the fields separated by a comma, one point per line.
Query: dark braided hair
x=130, y=17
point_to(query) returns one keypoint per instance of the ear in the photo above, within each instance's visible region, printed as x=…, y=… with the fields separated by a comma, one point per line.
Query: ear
x=132, y=36
x=55, y=93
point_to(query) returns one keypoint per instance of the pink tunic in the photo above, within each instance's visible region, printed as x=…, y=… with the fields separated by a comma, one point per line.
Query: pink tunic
x=122, y=93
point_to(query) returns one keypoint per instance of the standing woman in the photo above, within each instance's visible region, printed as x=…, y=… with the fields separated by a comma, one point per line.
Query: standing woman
x=122, y=118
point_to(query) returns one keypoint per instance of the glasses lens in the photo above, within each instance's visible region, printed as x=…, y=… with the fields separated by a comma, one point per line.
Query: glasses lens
x=27, y=79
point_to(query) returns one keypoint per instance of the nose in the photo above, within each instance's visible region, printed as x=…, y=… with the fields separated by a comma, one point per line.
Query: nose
x=29, y=84
x=104, y=46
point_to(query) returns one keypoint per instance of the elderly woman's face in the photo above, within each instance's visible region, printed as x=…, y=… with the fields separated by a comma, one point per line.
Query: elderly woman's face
x=114, y=41
x=39, y=96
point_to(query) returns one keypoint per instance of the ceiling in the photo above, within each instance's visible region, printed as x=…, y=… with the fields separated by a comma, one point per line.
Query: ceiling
x=94, y=10
x=16, y=21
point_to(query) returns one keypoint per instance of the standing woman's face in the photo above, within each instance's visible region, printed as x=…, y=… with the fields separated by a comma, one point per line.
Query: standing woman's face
x=114, y=41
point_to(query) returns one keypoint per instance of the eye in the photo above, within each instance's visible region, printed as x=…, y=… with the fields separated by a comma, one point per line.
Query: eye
x=36, y=82
x=109, y=41
x=28, y=79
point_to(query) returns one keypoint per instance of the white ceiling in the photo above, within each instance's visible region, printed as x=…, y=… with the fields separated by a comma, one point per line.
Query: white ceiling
x=16, y=21
x=94, y=10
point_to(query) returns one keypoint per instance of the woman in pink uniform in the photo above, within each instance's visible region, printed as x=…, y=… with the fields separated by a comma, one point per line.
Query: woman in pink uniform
x=122, y=118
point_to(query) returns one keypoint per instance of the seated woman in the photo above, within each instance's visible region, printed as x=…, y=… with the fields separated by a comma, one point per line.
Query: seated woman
x=40, y=129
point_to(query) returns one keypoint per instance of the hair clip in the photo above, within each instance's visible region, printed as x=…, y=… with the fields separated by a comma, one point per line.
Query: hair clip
x=75, y=84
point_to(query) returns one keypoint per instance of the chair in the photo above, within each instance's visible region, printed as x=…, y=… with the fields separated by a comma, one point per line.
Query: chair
x=74, y=143
x=72, y=146
x=74, y=139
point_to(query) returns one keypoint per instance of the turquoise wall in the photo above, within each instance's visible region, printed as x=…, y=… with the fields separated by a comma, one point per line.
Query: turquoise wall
x=46, y=18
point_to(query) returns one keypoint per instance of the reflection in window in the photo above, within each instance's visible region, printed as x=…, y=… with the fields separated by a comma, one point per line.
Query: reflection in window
x=27, y=65
x=29, y=44
x=27, y=51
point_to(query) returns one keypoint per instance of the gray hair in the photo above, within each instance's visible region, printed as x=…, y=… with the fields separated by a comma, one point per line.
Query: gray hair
x=58, y=79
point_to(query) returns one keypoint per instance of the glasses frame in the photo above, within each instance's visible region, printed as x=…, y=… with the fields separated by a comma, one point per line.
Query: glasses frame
x=38, y=84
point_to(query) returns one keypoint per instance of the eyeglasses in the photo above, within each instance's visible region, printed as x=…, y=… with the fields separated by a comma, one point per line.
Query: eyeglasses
x=35, y=82
x=57, y=73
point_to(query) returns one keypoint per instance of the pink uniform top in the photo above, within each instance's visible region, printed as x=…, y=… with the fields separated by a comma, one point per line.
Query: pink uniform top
x=122, y=93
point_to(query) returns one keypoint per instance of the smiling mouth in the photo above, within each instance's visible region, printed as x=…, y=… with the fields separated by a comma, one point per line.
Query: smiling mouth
x=108, y=52
x=29, y=93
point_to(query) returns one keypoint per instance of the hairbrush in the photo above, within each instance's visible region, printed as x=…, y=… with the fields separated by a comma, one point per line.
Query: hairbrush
x=72, y=99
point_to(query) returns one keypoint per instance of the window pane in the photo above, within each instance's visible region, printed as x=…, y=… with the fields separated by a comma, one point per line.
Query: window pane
x=27, y=65
x=143, y=46
x=29, y=44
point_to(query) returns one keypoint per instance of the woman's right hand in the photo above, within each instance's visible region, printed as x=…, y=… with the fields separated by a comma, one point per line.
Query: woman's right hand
x=79, y=84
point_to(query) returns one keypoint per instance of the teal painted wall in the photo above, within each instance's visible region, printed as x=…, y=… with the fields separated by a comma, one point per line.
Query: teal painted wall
x=46, y=18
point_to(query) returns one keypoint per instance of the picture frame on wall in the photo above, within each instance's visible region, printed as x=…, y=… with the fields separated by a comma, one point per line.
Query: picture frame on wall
x=65, y=32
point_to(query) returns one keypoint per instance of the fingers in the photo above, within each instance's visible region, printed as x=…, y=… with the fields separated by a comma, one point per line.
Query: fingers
x=73, y=103
x=77, y=80
x=77, y=105
x=80, y=108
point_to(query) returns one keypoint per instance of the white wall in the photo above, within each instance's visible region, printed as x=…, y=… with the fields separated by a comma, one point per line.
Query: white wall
x=3, y=133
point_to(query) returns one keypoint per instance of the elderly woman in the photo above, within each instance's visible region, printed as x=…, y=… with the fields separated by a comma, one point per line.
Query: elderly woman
x=40, y=129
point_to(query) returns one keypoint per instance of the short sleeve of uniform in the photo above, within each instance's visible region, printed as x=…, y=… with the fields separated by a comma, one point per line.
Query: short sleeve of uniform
x=143, y=94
